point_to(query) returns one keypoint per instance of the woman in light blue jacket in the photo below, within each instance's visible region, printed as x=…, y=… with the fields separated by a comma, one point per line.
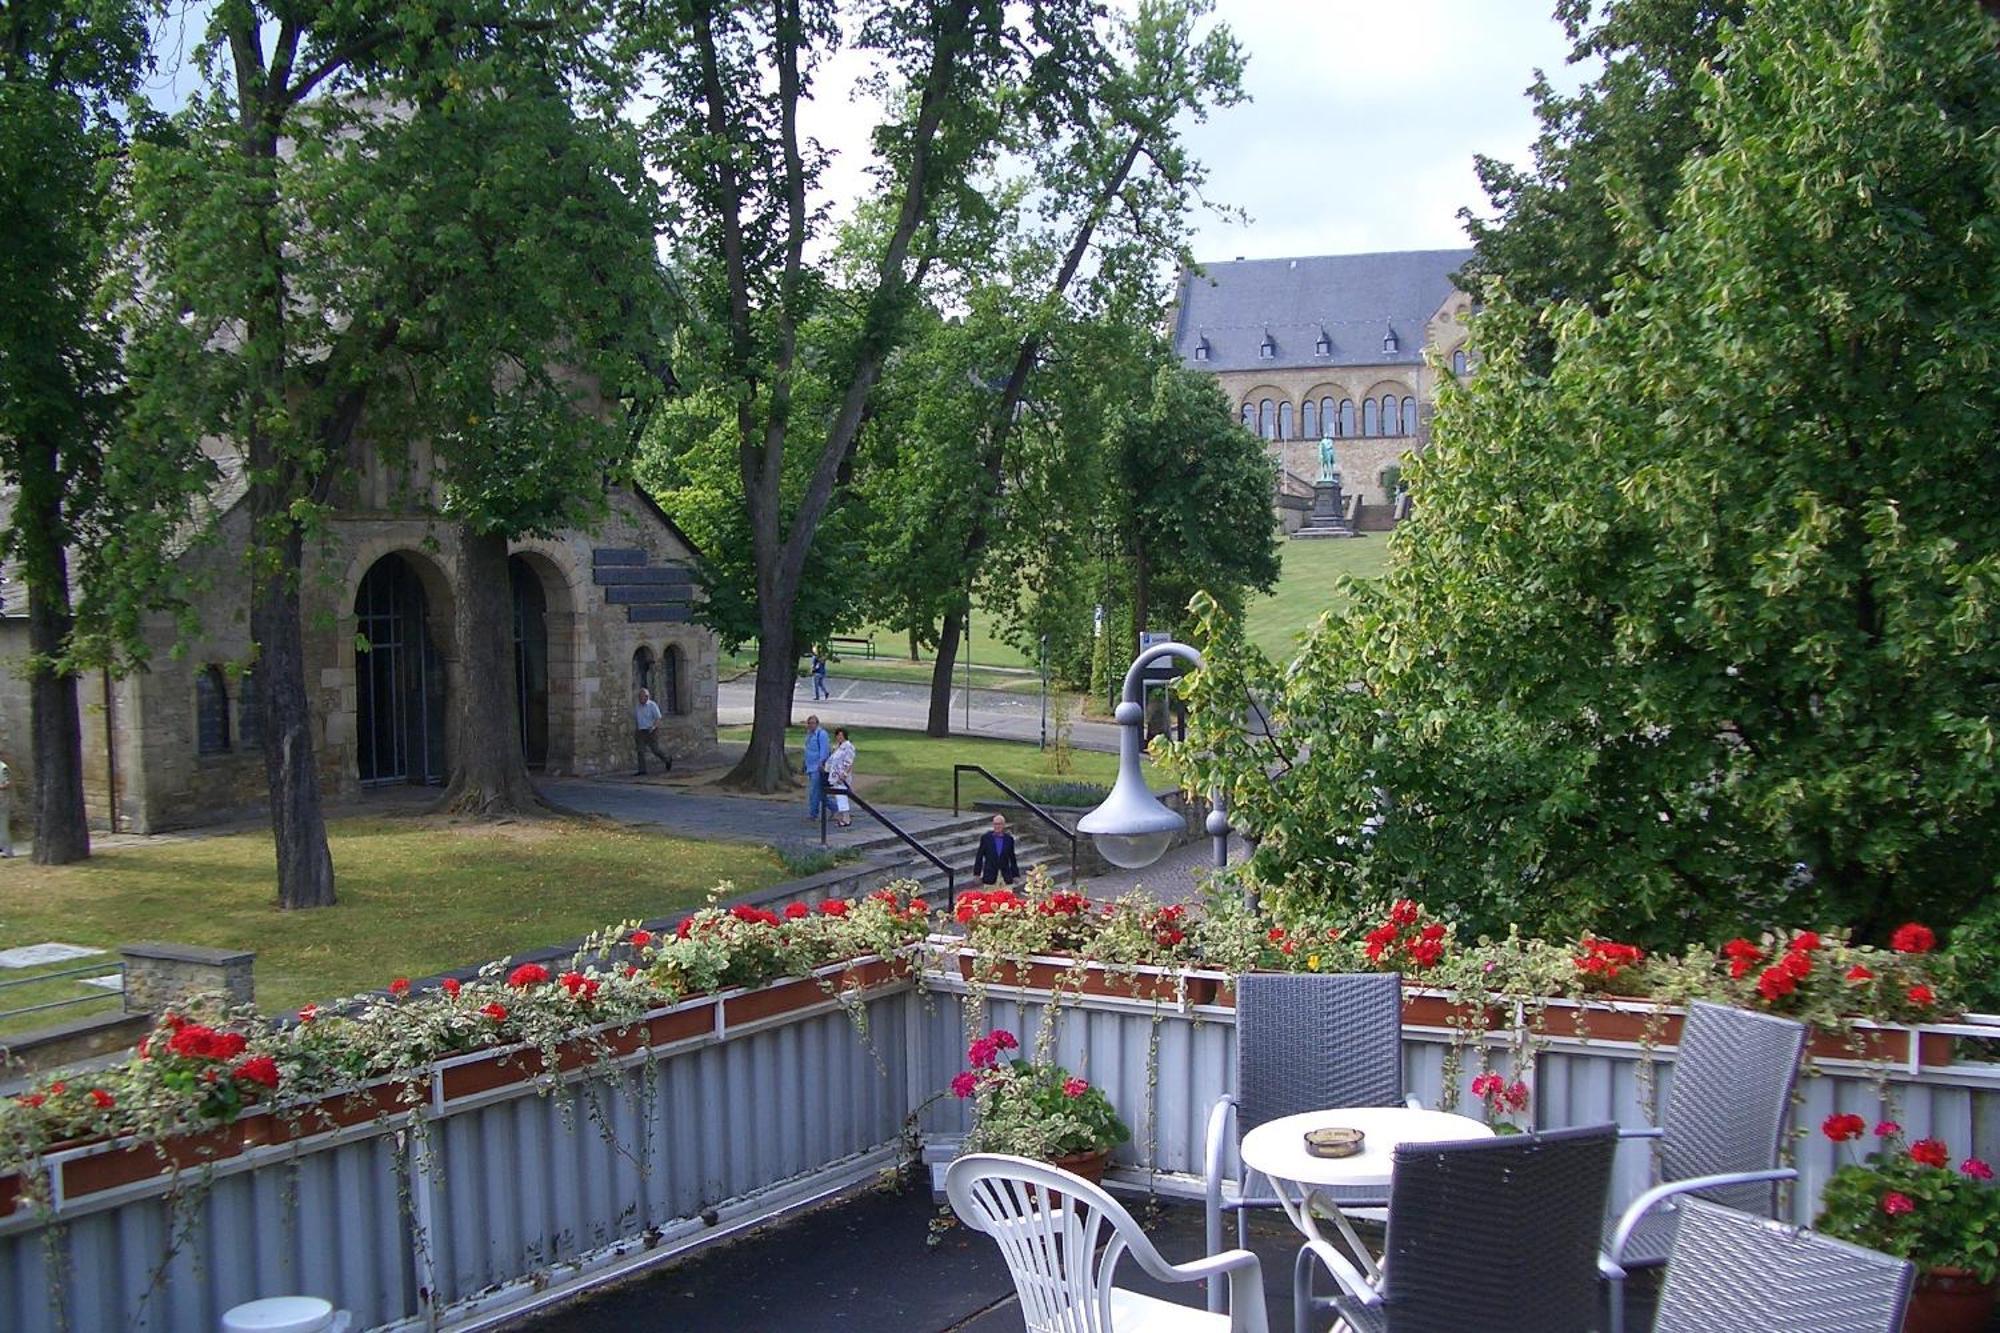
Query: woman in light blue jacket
x=818, y=746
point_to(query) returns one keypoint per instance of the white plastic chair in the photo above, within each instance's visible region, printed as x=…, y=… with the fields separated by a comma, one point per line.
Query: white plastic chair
x=1063, y=1237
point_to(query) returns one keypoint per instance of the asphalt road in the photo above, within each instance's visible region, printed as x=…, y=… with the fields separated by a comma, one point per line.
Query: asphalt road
x=880, y=703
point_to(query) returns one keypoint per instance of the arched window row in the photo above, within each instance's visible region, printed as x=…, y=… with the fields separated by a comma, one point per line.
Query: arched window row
x=1340, y=418
x=663, y=676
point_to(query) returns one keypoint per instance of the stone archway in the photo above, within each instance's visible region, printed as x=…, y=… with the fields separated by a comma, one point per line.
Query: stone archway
x=399, y=675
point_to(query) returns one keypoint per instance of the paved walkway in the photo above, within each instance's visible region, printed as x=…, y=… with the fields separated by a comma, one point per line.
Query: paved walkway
x=879, y=703
x=687, y=807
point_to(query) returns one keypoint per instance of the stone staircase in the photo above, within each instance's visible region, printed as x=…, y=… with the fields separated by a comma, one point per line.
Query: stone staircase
x=954, y=843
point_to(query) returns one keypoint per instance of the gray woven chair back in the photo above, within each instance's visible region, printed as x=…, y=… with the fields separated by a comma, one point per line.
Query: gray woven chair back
x=1306, y=1043
x=1731, y=1272
x=1730, y=1098
x=1486, y=1232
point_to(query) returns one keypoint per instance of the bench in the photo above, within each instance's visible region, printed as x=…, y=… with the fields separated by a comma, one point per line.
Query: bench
x=866, y=646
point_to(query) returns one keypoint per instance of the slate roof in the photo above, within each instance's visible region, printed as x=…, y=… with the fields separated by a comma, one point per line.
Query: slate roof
x=1354, y=299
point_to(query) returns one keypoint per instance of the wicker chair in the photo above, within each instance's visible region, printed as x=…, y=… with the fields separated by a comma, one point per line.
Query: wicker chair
x=1480, y=1233
x=1733, y=1273
x=1718, y=1134
x=1303, y=1043
x=1063, y=1238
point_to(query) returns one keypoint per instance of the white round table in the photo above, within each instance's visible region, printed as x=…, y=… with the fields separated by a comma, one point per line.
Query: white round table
x=1277, y=1150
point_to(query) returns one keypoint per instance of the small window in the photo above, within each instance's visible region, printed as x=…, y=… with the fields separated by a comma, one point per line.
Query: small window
x=1389, y=343
x=1458, y=363
x=1347, y=418
x=1324, y=346
x=1326, y=419
x=249, y=712
x=1309, y=420
x=1250, y=416
x=1267, y=349
x=1201, y=350
x=1392, y=415
x=1409, y=416
x=1285, y=421
x=1267, y=419
x=1371, y=422
x=642, y=672
x=672, y=664
x=211, y=712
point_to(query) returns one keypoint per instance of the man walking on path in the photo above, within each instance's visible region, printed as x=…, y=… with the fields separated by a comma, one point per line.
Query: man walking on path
x=995, y=857
x=6, y=810
x=818, y=747
x=646, y=733
x=840, y=773
x=820, y=691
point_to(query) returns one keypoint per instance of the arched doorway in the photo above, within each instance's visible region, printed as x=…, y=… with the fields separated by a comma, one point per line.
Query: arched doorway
x=399, y=679
x=531, y=661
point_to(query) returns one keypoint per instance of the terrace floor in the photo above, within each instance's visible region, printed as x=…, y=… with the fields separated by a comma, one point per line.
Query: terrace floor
x=861, y=1264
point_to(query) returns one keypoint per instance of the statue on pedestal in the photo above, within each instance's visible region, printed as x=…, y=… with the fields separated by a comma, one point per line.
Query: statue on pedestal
x=1328, y=469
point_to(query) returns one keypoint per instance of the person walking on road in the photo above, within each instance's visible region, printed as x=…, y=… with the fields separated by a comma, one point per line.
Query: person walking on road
x=995, y=857
x=6, y=810
x=820, y=691
x=646, y=733
x=818, y=747
x=840, y=773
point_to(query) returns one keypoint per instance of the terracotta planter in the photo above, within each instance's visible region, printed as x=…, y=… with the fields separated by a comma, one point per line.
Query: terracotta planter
x=1154, y=985
x=10, y=1194
x=1603, y=1023
x=784, y=997
x=1949, y=1300
x=1443, y=1011
x=498, y=1069
x=1089, y=1165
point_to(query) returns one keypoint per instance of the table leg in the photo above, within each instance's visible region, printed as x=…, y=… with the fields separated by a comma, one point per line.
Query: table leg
x=1346, y=1229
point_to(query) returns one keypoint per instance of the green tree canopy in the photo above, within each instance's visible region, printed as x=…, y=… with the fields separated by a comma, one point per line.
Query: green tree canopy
x=1694, y=630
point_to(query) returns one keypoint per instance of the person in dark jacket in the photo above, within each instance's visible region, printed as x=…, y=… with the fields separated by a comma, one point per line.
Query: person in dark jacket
x=995, y=857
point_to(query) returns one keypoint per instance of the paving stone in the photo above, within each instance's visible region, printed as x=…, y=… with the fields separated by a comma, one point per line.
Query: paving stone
x=37, y=955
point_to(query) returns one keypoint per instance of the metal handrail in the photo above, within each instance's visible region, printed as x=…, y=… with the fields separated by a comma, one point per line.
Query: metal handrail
x=950, y=876
x=59, y=974
x=1069, y=834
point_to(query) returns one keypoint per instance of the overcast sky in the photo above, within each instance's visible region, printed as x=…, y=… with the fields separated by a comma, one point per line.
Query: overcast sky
x=1360, y=129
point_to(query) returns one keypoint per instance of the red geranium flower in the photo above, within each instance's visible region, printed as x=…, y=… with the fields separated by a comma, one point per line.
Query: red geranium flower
x=1975, y=1169
x=1005, y=1040
x=1074, y=1087
x=1516, y=1096
x=105, y=1101
x=1921, y=995
x=1487, y=1085
x=260, y=1069
x=641, y=938
x=984, y=1053
x=1776, y=983
x=1913, y=938
x=31, y=1100
x=526, y=975
x=450, y=986
x=497, y=1012
x=1888, y=1129
x=1841, y=1128
x=833, y=907
x=964, y=1084
x=58, y=1088
x=1895, y=1205
x=685, y=928
x=309, y=1013
x=399, y=987
x=1930, y=1152
x=578, y=985
x=1806, y=941
x=1858, y=974
x=797, y=911
x=1403, y=912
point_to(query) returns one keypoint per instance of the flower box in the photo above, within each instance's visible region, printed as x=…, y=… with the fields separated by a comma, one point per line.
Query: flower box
x=1155, y=985
x=784, y=997
x=94, y=1171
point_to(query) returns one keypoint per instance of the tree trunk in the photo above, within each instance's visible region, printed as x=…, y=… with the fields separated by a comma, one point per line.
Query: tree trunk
x=913, y=629
x=298, y=824
x=62, y=830
x=765, y=767
x=939, y=722
x=489, y=774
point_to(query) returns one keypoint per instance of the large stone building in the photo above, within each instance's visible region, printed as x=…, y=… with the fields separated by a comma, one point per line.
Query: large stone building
x=1342, y=346
x=596, y=616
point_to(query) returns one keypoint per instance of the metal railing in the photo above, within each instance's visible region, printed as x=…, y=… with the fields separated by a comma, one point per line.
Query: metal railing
x=1068, y=834
x=826, y=805
x=86, y=970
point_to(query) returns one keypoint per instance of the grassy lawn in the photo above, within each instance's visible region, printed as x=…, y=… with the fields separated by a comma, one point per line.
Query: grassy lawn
x=417, y=896
x=1305, y=587
x=910, y=768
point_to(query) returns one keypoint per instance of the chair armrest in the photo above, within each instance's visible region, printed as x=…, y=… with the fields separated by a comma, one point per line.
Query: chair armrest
x=1692, y=1185
x=1643, y=1132
x=1210, y=1265
x=1358, y=1287
x=1221, y=1125
x=1240, y=1267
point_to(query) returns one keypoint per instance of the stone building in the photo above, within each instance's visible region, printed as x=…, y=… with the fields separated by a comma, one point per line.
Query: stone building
x=596, y=616
x=1343, y=346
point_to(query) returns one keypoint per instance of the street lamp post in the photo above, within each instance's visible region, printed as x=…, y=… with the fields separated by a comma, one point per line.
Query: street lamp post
x=1132, y=828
